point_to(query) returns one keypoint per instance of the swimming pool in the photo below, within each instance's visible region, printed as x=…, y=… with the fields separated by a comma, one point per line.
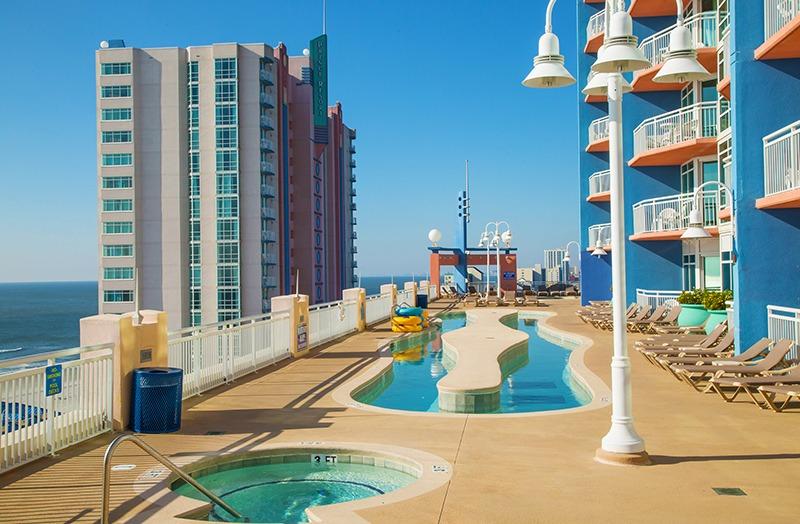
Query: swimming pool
x=265, y=491
x=536, y=380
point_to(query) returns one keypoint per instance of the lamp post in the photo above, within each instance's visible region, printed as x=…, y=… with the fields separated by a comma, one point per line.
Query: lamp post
x=491, y=238
x=696, y=229
x=566, y=251
x=598, y=244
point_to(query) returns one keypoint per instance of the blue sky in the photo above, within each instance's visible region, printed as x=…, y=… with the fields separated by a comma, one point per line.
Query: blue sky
x=427, y=84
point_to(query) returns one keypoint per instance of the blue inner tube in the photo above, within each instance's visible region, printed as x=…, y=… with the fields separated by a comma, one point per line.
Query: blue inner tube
x=408, y=312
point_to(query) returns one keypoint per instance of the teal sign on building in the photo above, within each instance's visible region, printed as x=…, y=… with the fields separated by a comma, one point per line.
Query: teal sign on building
x=52, y=380
x=319, y=67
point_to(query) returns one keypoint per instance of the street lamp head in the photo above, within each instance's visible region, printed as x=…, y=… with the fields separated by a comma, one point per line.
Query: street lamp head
x=506, y=236
x=598, y=249
x=695, y=231
x=681, y=65
x=548, y=66
x=495, y=240
x=484, y=239
x=597, y=85
x=434, y=235
x=619, y=53
x=566, y=257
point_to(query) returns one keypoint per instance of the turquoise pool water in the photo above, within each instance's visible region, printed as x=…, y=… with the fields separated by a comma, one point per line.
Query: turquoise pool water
x=540, y=381
x=282, y=492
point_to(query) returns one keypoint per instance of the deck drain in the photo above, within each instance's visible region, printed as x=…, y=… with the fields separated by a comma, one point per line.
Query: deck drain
x=123, y=467
x=730, y=492
x=215, y=432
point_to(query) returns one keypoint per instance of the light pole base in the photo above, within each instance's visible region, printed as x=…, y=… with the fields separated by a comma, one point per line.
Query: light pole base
x=622, y=459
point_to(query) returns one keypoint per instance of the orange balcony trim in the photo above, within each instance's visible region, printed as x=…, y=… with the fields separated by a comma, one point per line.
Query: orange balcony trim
x=595, y=99
x=724, y=87
x=594, y=1
x=605, y=196
x=666, y=235
x=725, y=213
x=783, y=44
x=643, y=8
x=782, y=200
x=605, y=248
x=594, y=44
x=597, y=147
x=643, y=80
x=675, y=154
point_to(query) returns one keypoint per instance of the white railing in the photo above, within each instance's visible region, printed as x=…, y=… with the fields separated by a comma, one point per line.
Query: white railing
x=32, y=424
x=655, y=298
x=596, y=25
x=724, y=57
x=671, y=213
x=433, y=292
x=778, y=14
x=684, y=124
x=379, y=308
x=782, y=159
x=704, y=34
x=784, y=322
x=598, y=130
x=215, y=354
x=406, y=296
x=601, y=231
x=330, y=321
x=600, y=182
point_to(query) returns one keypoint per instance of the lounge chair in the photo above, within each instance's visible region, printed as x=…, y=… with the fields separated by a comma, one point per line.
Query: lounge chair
x=506, y=297
x=773, y=361
x=792, y=392
x=750, y=385
x=706, y=346
x=685, y=340
x=638, y=325
x=670, y=319
x=720, y=350
x=481, y=301
x=471, y=291
x=605, y=319
x=520, y=299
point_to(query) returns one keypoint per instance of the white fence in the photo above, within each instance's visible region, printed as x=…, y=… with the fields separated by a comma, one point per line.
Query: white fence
x=218, y=353
x=598, y=130
x=406, y=296
x=32, y=424
x=778, y=14
x=332, y=320
x=671, y=213
x=379, y=307
x=784, y=322
x=655, y=298
x=596, y=25
x=684, y=124
x=601, y=231
x=600, y=182
x=782, y=159
x=704, y=34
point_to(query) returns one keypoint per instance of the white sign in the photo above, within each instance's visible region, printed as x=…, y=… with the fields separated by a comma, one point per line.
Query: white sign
x=323, y=459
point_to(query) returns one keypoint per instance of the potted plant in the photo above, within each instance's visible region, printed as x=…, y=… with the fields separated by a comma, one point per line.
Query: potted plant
x=715, y=303
x=693, y=312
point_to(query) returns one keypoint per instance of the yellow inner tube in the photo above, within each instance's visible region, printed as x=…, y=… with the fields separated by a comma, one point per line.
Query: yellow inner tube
x=407, y=321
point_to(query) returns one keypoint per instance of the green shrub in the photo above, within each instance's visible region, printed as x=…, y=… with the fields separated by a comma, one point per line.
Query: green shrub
x=691, y=297
x=715, y=300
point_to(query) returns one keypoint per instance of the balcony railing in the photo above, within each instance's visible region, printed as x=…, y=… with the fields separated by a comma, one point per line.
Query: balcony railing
x=352, y=179
x=269, y=236
x=269, y=259
x=267, y=167
x=267, y=122
x=671, y=213
x=724, y=57
x=267, y=190
x=354, y=250
x=782, y=160
x=598, y=130
x=269, y=212
x=778, y=14
x=704, y=34
x=354, y=235
x=267, y=76
x=267, y=100
x=267, y=145
x=784, y=322
x=600, y=182
x=670, y=129
x=596, y=25
x=602, y=232
x=352, y=163
x=655, y=298
x=270, y=282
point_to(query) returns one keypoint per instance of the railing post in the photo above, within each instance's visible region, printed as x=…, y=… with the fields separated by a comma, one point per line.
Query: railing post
x=50, y=428
x=299, y=322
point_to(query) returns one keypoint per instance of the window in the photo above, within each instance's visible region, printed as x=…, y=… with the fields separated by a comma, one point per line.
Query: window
x=712, y=273
x=224, y=316
x=114, y=205
x=194, y=208
x=227, y=229
x=227, y=253
x=727, y=270
x=118, y=296
x=227, y=184
x=225, y=91
x=194, y=139
x=192, y=71
x=194, y=186
x=227, y=207
x=116, y=137
x=227, y=276
x=117, y=228
x=226, y=115
x=228, y=298
x=115, y=92
x=226, y=137
x=117, y=114
x=194, y=94
x=194, y=117
x=689, y=273
x=194, y=231
x=195, y=274
x=117, y=159
x=115, y=68
x=227, y=160
x=197, y=318
x=117, y=182
x=224, y=68
x=194, y=162
x=687, y=177
x=194, y=299
x=118, y=273
x=119, y=250
x=194, y=254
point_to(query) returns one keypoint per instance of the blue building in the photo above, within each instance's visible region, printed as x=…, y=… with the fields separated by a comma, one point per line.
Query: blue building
x=741, y=128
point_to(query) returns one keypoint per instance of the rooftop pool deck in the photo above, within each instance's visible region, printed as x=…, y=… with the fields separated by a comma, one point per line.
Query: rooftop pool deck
x=504, y=469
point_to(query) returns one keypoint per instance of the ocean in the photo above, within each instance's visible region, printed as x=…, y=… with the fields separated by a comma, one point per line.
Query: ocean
x=43, y=316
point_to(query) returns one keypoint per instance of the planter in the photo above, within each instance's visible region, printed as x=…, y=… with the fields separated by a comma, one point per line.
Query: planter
x=692, y=315
x=714, y=318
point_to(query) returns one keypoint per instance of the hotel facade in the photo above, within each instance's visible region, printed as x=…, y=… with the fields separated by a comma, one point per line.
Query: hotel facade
x=741, y=128
x=223, y=176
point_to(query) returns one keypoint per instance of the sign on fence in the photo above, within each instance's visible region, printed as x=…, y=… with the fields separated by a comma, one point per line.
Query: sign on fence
x=302, y=336
x=52, y=383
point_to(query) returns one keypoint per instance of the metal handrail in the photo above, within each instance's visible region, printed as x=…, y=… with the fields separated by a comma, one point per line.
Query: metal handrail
x=159, y=457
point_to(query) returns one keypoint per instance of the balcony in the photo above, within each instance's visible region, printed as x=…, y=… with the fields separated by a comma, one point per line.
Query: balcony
x=602, y=232
x=781, y=30
x=268, y=190
x=645, y=8
x=655, y=298
x=267, y=76
x=595, y=30
x=267, y=122
x=267, y=168
x=676, y=137
x=267, y=145
x=353, y=192
x=598, y=135
x=355, y=265
x=352, y=179
x=600, y=187
x=781, y=169
x=269, y=213
x=269, y=259
x=353, y=206
x=352, y=164
x=352, y=149
x=724, y=66
x=269, y=236
x=354, y=250
x=267, y=100
x=270, y=282
x=704, y=33
x=353, y=221
x=666, y=218
x=354, y=235
x=352, y=134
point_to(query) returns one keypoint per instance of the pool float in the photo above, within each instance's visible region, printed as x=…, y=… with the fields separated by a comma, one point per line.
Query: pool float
x=407, y=321
x=408, y=312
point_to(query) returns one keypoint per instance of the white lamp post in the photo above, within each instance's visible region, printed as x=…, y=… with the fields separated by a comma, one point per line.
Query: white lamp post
x=681, y=65
x=696, y=229
x=566, y=251
x=434, y=235
x=491, y=238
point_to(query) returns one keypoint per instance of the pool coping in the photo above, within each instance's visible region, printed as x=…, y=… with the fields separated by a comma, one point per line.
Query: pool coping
x=588, y=380
x=433, y=470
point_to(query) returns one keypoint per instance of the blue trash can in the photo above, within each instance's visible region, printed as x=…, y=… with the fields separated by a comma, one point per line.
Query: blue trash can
x=156, y=400
x=422, y=300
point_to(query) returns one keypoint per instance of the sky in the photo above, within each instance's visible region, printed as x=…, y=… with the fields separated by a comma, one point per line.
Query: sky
x=427, y=84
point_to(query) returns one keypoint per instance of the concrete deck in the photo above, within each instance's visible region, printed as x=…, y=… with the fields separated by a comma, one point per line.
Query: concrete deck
x=510, y=469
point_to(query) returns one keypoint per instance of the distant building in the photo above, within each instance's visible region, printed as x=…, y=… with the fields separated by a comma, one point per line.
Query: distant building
x=553, y=258
x=553, y=274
